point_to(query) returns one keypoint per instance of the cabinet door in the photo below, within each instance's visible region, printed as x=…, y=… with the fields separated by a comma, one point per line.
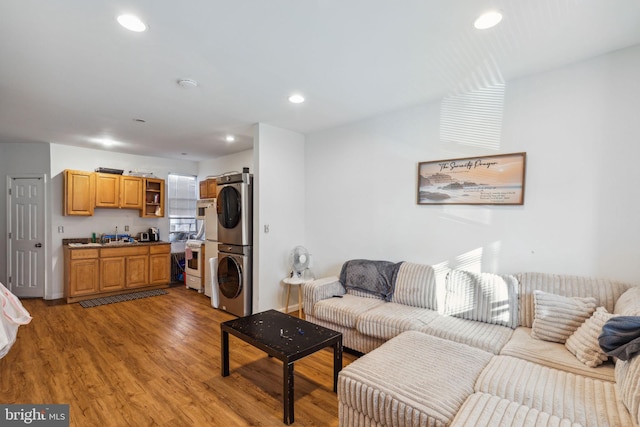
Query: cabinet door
x=83, y=277
x=79, y=193
x=212, y=188
x=204, y=190
x=137, y=271
x=131, y=192
x=160, y=268
x=112, y=273
x=107, y=190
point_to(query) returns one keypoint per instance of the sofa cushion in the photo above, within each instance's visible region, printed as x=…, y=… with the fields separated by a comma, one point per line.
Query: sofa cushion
x=583, y=343
x=606, y=292
x=388, y=320
x=344, y=311
x=552, y=354
x=484, y=297
x=557, y=316
x=318, y=290
x=629, y=302
x=486, y=336
x=351, y=338
x=416, y=286
x=486, y=410
x=628, y=382
x=397, y=384
x=583, y=400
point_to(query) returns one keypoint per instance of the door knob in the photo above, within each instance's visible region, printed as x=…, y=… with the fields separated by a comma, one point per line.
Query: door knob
x=38, y=245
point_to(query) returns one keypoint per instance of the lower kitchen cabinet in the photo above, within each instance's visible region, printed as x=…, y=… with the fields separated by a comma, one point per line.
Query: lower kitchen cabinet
x=82, y=272
x=138, y=271
x=159, y=264
x=112, y=270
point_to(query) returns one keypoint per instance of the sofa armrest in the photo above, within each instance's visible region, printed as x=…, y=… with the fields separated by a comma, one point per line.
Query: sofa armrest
x=320, y=289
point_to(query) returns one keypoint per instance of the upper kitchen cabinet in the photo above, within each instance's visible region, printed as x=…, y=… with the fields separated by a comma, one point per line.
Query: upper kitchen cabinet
x=118, y=191
x=84, y=191
x=131, y=192
x=107, y=190
x=153, y=198
x=79, y=193
x=208, y=188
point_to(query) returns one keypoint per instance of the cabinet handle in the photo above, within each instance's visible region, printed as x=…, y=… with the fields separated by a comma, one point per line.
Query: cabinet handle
x=38, y=245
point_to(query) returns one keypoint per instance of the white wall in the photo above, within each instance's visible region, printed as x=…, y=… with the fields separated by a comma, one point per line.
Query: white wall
x=230, y=163
x=579, y=126
x=104, y=220
x=279, y=193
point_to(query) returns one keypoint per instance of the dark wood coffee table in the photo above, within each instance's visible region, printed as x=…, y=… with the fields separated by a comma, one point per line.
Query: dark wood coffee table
x=286, y=338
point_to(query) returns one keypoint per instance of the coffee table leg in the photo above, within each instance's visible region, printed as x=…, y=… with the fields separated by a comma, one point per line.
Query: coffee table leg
x=224, y=348
x=337, y=363
x=287, y=392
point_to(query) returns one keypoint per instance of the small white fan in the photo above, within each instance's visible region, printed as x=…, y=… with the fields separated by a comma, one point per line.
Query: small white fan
x=299, y=261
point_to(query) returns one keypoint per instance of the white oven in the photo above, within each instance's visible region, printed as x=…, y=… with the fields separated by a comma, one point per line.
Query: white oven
x=195, y=264
x=201, y=207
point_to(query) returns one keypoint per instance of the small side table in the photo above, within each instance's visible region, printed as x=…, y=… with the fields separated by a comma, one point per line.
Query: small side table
x=295, y=281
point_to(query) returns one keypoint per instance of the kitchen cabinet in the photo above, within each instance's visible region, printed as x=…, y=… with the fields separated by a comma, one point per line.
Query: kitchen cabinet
x=118, y=191
x=137, y=271
x=159, y=264
x=107, y=190
x=133, y=267
x=84, y=191
x=112, y=273
x=153, y=206
x=79, y=193
x=131, y=192
x=82, y=272
x=208, y=188
x=111, y=270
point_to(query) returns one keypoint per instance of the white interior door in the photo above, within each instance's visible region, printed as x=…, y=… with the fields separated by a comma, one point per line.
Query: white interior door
x=26, y=237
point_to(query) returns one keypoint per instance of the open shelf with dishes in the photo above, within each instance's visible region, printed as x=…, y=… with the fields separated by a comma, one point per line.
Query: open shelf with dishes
x=153, y=198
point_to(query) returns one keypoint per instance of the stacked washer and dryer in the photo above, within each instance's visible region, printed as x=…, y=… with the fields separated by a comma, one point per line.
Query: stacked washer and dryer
x=235, y=236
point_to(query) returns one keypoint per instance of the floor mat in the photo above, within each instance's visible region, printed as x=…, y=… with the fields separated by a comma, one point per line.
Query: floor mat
x=119, y=298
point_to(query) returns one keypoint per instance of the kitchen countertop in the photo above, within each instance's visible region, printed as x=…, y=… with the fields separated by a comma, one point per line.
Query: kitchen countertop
x=86, y=243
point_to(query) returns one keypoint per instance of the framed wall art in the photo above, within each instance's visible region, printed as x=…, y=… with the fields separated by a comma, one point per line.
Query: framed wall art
x=486, y=180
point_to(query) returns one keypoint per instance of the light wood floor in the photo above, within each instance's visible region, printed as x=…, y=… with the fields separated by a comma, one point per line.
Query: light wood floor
x=156, y=362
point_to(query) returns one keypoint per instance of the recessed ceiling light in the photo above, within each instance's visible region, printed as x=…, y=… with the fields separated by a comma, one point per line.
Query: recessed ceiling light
x=296, y=98
x=488, y=20
x=140, y=120
x=132, y=23
x=187, y=83
x=230, y=138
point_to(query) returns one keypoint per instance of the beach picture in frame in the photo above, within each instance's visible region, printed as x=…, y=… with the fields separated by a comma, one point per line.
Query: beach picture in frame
x=485, y=180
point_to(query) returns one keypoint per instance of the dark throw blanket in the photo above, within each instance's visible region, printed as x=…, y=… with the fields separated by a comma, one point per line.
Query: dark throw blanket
x=620, y=337
x=373, y=277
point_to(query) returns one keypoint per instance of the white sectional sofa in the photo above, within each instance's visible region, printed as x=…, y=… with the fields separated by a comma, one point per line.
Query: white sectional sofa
x=463, y=349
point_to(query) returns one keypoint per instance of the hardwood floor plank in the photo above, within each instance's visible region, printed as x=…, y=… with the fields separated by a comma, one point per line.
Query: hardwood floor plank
x=156, y=362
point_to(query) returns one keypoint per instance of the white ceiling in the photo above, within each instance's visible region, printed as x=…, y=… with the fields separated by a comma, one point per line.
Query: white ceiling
x=69, y=74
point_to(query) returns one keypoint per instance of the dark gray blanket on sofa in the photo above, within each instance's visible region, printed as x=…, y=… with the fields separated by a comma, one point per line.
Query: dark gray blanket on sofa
x=373, y=277
x=620, y=337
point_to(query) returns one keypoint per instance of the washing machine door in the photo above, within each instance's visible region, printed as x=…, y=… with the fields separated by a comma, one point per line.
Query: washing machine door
x=229, y=277
x=229, y=207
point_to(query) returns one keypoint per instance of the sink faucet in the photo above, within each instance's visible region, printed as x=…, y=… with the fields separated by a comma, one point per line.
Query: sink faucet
x=116, y=233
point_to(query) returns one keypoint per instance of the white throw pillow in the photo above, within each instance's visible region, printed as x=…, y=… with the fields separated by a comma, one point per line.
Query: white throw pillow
x=484, y=297
x=556, y=317
x=583, y=343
